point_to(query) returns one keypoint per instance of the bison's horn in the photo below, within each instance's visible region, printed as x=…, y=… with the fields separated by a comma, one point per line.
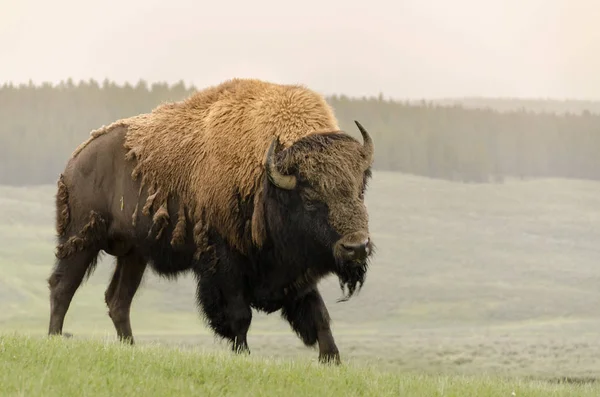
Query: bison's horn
x=367, y=142
x=280, y=180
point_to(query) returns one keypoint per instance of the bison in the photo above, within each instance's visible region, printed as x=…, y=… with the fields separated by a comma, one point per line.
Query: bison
x=249, y=185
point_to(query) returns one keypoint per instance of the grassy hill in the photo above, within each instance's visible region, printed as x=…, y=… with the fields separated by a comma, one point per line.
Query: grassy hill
x=468, y=279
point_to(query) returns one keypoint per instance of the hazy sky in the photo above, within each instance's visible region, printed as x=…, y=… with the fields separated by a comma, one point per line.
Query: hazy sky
x=405, y=49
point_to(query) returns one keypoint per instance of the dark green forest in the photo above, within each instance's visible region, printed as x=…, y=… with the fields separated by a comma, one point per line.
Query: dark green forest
x=40, y=125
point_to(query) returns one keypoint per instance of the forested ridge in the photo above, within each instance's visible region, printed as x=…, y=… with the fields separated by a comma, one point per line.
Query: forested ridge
x=40, y=125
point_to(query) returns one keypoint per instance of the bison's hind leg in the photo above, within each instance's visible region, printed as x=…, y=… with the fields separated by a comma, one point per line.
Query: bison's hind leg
x=121, y=290
x=64, y=282
x=77, y=255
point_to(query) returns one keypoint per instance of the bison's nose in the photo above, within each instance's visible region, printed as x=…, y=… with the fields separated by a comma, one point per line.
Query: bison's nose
x=357, y=251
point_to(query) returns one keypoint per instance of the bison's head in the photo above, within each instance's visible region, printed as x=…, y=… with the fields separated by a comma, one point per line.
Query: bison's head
x=315, y=194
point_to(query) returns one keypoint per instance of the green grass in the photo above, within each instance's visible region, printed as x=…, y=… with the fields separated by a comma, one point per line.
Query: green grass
x=57, y=367
x=468, y=280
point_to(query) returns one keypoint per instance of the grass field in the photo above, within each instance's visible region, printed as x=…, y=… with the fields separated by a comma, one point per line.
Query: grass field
x=468, y=280
x=38, y=367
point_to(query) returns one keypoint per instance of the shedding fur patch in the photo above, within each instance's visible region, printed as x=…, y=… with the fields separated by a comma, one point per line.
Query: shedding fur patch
x=89, y=236
x=210, y=147
x=200, y=239
x=134, y=215
x=62, y=206
x=150, y=200
x=178, y=238
x=159, y=221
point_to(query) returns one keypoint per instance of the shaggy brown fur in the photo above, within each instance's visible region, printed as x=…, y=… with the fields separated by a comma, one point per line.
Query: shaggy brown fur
x=209, y=149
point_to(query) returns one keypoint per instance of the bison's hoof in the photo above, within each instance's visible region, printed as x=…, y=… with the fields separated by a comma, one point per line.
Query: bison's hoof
x=330, y=358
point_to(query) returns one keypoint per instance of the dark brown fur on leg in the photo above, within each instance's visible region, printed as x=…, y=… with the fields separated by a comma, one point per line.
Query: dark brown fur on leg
x=309, y=318
x=120, y=292
x=64, y=282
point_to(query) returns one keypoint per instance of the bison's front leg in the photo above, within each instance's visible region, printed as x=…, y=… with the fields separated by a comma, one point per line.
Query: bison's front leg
x=220, y=295
x=227, y=313
x=309, y=318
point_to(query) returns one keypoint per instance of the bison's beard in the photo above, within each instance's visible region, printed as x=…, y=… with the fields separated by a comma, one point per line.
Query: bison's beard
x=352, y=277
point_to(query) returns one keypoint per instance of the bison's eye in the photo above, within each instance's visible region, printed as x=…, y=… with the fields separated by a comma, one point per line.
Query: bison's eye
x=310, y=205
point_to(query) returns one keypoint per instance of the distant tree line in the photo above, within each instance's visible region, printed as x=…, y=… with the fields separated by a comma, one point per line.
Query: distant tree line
x=535, y=105
x=40, y=125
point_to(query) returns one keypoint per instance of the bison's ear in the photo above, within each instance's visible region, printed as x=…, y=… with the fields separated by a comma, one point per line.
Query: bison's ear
x=287, y=182
x=259, y=231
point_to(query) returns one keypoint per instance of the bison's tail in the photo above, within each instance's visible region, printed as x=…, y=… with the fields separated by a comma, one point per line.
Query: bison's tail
x=70, y=240
x=62, y=207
